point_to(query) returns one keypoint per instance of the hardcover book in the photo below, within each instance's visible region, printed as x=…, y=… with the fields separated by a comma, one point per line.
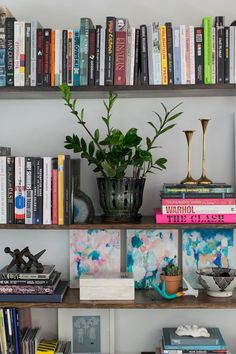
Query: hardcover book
x=143, y=55
x=32, y=274
x=120, y=52
x=4, y=14
x=110, y=50
x=85, y=25
x=10, y=51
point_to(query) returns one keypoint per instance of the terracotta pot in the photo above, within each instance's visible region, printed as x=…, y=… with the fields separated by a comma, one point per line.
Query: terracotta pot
x=172, y=283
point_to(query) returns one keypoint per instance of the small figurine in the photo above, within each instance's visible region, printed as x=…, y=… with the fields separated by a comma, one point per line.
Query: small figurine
x=161, y=289
x=17, y=256
x=19, y=262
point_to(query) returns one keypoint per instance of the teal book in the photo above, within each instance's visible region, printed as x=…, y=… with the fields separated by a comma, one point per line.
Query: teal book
x=85, y=25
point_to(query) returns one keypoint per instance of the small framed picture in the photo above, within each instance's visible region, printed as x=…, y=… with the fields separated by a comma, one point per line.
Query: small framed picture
x=89, y=330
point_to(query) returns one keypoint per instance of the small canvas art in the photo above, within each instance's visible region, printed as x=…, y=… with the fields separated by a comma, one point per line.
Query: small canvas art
x=203, y=248
x=93, y=251
x=86, y=334
x=148, y=251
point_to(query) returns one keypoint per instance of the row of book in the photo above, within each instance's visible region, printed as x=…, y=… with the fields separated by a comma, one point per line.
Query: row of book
x=118, y=54
x=35, y=190
x=197, y=203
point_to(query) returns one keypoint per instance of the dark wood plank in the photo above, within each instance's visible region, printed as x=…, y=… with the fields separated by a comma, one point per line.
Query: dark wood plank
x=144, y=299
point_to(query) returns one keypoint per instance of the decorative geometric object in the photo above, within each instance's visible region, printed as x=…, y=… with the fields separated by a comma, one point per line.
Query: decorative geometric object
x=19, y=262
x=148, y=251
x=93, y=251
x=204, y=248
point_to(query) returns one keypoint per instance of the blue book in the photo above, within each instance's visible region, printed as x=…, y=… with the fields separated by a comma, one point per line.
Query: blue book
x=176, y=55
x=57, y=296
x=200, y=343
x=16, y=331
x=76, y=57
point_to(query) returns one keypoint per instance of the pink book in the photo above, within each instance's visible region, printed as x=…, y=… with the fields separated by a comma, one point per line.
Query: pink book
x=194, y=218
x=200, y=201
x=54, y=197
x=187, y=55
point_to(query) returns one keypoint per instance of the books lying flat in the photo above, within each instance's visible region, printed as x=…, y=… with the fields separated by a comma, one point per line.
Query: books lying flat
x=32, y=274
x=214, y=339
x=57, y=296
x=46, y=282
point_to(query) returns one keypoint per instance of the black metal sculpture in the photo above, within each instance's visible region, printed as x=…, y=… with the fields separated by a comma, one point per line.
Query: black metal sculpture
x=21, y=264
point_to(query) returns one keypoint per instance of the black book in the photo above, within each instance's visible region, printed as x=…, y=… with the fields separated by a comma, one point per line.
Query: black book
x=137, y=56
x=46, y=57
x=143, y=55
x=219, y=25
x=91, y=63
x=75, y=182
x=67, y=190
x=199, y=57
x=64, y=56
x=27, y=53
x=110, y=50
x=10, y=190
x=39, y=56
x=35, y=282
x=97, y=55
x=10, y=50
x=226, y=54
x=169, y=45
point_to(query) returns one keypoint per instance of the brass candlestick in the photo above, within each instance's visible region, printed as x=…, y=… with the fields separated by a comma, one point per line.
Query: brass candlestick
x=203, y=179
x=189, y=179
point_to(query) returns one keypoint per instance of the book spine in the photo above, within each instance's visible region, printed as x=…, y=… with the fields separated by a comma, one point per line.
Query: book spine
x=234, y=54
x=186, y=195
x=33, y=69
x=76, y=57
x=192, y=55
x=26, y=289
x=132, y=56
x=67, y=190
x=226, y=54
x=169, y=44
x=137, y=56
x=214, y=58
x=120, y=54
x=164, y=69
x=3, y=51
x=150, y=57
x=54, y=192
x=156, y=54
x=97, y=55
x=60, y=189
x=39, y=76
x=64, y=56
x=70, y=57
x=16, y=333
x=47, y=174
x=102, y=58
x=84, y=50
x=28, y=190
x=176, y=55
x=58, y=57
x=16, y=53
x=200, y=201
x=231, y=55
x=198, y=190
x=22, y=53
x=10, y=189
x=19, y=190
x=187, y=54
x=74, y=182
x=46, y=56
x=195, y=219
x=91, y=65
x=183, y=53
x=198, y=209
x=110, y=50
x=207, y=25
x=143, y=55
x=27, y=53
x=52, y=58
x=39, y=191
x=199, y=64
x=128, y=57
x=3, y=190
x=219, y=29
x=10, y=51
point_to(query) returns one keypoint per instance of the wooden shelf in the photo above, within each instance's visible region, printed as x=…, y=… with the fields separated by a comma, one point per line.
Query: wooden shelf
x=144, y=299
x=146, y=222
x=149, y=91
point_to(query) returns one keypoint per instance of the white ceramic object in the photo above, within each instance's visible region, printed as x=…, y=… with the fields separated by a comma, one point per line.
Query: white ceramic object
x=193, y=331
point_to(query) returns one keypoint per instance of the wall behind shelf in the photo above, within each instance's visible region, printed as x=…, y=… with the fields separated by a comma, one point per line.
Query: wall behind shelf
x=39, y=127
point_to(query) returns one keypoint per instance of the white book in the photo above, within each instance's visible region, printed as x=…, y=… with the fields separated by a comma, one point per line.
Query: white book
x=150, y=57
x=232, y=55
x=22, y=53
x=17, y=38
x=58, y=57
x=156, y=53
x=20, y=190
x=102, y=57
x=128, y=56
x=199, y=209
x=33, y=64
x=132, y=56
x=213, y=55
x=47, y=177
x=192, y=55
x=183, y=53
x=3, y=190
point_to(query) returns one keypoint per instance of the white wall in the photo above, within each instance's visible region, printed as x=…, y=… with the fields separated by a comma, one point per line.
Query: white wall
x=38, y=127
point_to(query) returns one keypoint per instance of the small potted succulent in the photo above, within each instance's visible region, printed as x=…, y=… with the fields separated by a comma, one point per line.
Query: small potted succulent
x=123, y=159
x=171, y=275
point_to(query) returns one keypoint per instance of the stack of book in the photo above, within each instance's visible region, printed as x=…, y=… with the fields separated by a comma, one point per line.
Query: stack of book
x=52, y=346
x=199, y=203
x=171, y=343
x=16, y=286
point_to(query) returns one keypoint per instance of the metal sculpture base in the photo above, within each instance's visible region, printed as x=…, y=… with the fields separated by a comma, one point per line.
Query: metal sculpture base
x=204, y=180
x=189, y=180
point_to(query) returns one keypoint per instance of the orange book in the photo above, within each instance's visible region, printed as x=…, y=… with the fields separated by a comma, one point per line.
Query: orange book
x=53, y=58
x=61, y=189
x=164, y=68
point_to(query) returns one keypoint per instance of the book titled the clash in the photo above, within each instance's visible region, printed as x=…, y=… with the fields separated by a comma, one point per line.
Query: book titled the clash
x=14, y=274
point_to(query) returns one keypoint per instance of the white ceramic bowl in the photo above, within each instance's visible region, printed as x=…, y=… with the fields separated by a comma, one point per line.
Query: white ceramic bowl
x=218, y=282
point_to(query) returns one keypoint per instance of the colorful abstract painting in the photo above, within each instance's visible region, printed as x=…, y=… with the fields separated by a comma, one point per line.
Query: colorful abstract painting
x=148, y=251
x=207, y=248
x=93, y=251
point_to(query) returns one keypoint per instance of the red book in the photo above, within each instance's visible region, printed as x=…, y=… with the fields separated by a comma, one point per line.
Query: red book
x=54, y=196
x=194, y=218
x=120, y=52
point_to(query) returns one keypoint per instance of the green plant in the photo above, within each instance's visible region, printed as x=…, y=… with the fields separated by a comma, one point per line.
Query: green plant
x=171, y=269
x=113, y=154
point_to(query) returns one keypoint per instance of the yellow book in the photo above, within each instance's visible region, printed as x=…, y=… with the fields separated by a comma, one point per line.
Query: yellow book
x=61, y=189
x=47, y=346
x=164, y=68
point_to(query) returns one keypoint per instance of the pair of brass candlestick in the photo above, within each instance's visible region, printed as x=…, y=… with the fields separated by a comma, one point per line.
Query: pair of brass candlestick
x=189, y=134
